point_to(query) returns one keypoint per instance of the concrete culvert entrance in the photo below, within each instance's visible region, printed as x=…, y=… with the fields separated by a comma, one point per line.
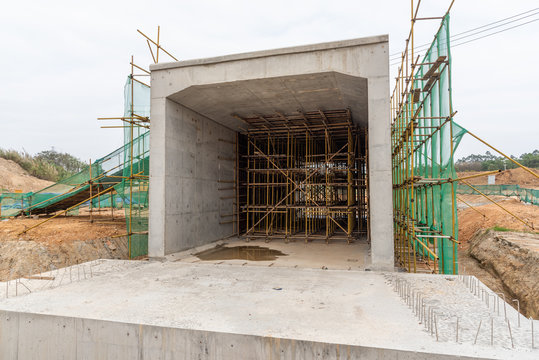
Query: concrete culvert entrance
x=286, y=145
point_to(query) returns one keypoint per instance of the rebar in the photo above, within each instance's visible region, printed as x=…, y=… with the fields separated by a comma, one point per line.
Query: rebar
x=491, y=331
x=510, y=334
x=518, y=310
x=477, y=333
x=504, y=306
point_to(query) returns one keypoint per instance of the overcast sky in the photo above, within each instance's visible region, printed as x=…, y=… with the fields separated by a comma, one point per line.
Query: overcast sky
x=64, y=63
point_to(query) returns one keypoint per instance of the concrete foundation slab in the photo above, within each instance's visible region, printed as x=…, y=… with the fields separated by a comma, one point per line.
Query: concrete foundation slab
x=212, y=311
x=313, y=255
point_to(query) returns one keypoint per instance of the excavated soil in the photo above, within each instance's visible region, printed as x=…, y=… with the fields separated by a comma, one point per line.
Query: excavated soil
x=489, y=215
x=516, y=176
x=513, y=258
x=60, y=242
x=482, y=263
x=13, y=177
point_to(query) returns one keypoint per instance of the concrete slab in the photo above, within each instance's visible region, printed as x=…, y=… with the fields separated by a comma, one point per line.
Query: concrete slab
x=248, y=307
x=314, y=255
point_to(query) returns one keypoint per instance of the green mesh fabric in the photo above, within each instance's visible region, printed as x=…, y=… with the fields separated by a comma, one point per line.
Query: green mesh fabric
x=435, y=138
x=124, y=169
x=105, y=172
x=529, y=196
x=133, y=188
x=12, y=203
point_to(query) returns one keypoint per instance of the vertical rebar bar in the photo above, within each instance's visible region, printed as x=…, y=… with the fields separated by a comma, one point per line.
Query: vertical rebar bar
x=477, y=333
x=518, y=310
x=510, y=334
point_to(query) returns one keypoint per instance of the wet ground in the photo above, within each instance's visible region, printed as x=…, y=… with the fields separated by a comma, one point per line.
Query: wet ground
x=251, y=253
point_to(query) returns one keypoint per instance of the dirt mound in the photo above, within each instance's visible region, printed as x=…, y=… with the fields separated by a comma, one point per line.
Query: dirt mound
x=13, y=177
x=508, y=257
x=517, y=176
x=24, y=258
x=60, y=242
x=470, y=220
x=62, y=229
x=471, y=223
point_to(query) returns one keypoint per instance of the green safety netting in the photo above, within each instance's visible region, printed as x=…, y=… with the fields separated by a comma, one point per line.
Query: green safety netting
x=435, y=138
x=105, y=172
x=135, y=183
x=530, y=196
x=124, y=169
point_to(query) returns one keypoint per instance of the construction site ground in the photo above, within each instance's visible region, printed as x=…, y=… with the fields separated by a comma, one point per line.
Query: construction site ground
x=487, y=265
x=60, y=242
x=65, y=241
x=516, y=176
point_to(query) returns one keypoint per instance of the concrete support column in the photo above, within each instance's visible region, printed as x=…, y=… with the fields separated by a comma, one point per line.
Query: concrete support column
x=380, y=180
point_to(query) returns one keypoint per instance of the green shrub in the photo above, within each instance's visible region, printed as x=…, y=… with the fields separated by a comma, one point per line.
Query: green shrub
x=47, y=165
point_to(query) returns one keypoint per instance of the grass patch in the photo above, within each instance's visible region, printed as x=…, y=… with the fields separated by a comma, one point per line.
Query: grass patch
x=501, y=228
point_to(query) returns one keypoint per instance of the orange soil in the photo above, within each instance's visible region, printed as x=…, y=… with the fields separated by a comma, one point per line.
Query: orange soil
x=517, y=176
x=470, y=220
x=64, y=229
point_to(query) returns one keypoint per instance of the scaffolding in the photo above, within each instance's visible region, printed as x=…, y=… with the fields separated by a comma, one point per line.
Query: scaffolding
x=302, y=176
x=134, y=184
x=424, y=137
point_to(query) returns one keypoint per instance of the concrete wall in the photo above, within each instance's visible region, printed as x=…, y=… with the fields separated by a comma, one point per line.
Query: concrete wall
x=366, y=58
x=47, y=337
x=188, y=160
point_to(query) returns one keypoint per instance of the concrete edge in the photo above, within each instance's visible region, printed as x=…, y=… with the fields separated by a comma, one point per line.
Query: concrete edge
x=274, y=52
x=32, y=335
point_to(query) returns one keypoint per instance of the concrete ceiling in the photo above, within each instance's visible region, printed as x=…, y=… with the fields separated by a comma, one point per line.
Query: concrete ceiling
x=287, y=94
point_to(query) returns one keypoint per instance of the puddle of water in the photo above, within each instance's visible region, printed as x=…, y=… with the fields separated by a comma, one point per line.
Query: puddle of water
x=251, y=253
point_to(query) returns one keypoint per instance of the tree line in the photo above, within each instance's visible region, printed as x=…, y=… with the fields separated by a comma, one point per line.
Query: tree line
x=489, y=162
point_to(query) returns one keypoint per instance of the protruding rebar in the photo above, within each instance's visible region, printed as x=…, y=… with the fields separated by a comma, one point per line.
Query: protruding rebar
x=533, y=337
x=518, y=310
x=504, y=306
x=477, y=333
x=510, y=334
x=436, y=326
x=491, y=331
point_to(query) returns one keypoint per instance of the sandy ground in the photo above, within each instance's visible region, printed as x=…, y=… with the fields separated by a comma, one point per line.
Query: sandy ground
x=62, y=229
x=471, y=222
x=60, y=242
x=509, y=177
x=13, y=177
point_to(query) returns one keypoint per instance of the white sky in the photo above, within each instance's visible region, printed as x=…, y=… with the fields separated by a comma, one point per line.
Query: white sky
x=64, y=63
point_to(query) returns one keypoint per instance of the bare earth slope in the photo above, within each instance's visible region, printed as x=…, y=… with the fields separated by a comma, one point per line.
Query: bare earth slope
x=13, y=177
x=60, y=242
x=514, y=259
x=516, y=176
